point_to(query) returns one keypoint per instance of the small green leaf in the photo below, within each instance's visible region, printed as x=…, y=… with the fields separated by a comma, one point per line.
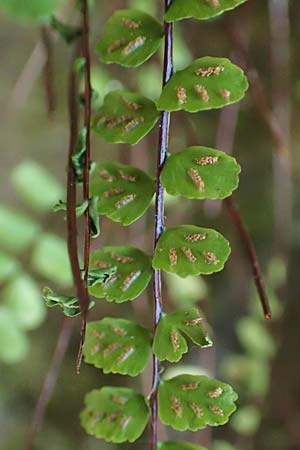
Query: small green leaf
x=125, y=117
x=68, y=33
x=23, y=298
x=115, y=414
x=169, y=341
x=117, y=346
x=50, y=259
x=78, y=157
x=132, y=277
x=199, y=9
x=101, y=276
x=17, y=230
x=178, y=445
x=208, y=83
x=129, y=38
x=62, y=206
x=190, y=250
x=35, y=10
x=29, y=175
x=191, y=402
x=69, y=305
x=94, y=217
x=201, y=172
x=124, y=192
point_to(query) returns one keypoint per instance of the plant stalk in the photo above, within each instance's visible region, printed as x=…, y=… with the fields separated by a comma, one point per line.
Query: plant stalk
x=159, y=219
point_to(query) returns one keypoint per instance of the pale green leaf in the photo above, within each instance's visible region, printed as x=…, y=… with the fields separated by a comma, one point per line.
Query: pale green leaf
x=14, y=344
x=117, y=346
x=17, y=230
x=131, y=278
x=190, y=250
x=9, y=267
x=125, y=117
x=169, y=339
x=199, y=9
x=30, y=10
x=178, y=445
x=36, y=185
x=208, y=83
x=246, y=420
x=50, y=259
x=115, y=414
x=124, y=192
x=23, y=298
x=202, y=173
x=190, y=402
x=129, y=38
x=255, y=337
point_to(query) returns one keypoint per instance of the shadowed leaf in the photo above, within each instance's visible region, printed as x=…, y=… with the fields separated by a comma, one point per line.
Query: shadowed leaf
x=131, y=278
x=115, y=414
x=125, y=117
x=129, y=38
x=178, y=445
x=117, y=346
x=124, y=192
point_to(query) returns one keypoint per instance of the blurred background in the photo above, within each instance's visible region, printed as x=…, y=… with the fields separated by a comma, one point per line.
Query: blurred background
x=260, y=359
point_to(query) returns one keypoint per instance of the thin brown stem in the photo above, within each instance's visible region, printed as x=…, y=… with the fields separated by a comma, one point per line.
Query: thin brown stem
x=87, y=163
x=81, y=291
x=49, y=70
x=251, y=253
x=159, y=220
x=50, y=381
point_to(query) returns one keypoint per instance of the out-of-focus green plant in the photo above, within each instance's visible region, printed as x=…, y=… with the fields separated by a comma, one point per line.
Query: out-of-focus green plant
x=25, y=246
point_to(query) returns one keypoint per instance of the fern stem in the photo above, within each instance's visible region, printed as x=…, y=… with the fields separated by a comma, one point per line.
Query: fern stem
x=86, y=178
x=159, y=219
x=81, y=292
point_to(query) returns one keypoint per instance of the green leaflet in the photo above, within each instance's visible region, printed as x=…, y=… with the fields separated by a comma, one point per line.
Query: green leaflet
x=190, y=250
x=117, y=346
x=69, y=305
x=132, y=277
x=68, y=33
x=80, y=210
x=208, y=83
x=178, y=445
x=125, y=117
x=115, y=414
x=124, y=192
x=102, y=276
x=30, y=10
x=78, y=157
x=129, y=38
x=169, y=341
x=201, y=172
x=191, y=402
x=199, y=9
